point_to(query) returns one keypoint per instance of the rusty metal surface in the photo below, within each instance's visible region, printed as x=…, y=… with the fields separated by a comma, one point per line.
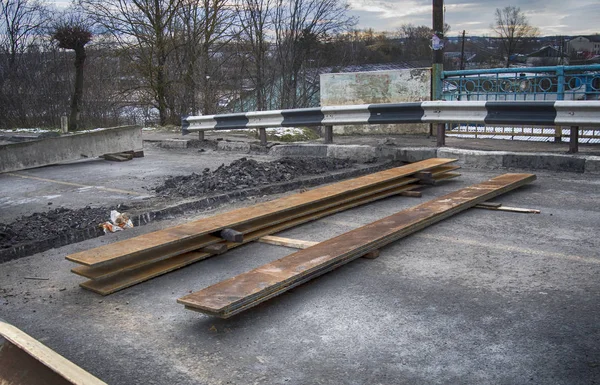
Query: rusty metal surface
x=127, y=278
x=188, y=231
x=245, y=290
x=128, y=272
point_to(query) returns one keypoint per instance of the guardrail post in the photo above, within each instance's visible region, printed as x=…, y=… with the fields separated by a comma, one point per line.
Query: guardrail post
x=441, y=134
x=64, y=124
x=574, y=140
x=560, y=95
x=201, y=136
x=328, y=134
x=262, y=134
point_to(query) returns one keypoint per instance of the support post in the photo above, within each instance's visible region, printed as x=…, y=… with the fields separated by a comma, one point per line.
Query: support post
x=441, y=134
x=262, y=134
x=574, y=140
x=560, y=95
x=437, y=62
x=64, y=124
x=328, y=134
x=201, y=136
x=558, y=134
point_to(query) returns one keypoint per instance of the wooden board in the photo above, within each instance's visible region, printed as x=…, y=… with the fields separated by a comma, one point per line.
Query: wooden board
x=26, y=361
x=189, y=231
x=509, y=209
x=246, y=290
x=287, y=242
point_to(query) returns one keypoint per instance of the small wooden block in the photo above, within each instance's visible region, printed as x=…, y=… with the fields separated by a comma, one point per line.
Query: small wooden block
x=425, y=177
x=115, y=158
x=412, y=194
x=135, y=153
x=231, y=235
x=217, y=248
x=287, y=242
x=372, y=254
x=127, y=155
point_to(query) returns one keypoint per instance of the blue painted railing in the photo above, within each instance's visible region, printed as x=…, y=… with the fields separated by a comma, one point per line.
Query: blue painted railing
x=526, y=83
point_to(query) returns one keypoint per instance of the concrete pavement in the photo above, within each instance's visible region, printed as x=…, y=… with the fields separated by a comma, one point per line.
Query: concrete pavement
x=481, y=298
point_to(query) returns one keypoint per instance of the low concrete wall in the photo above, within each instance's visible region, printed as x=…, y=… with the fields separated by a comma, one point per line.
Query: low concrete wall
x=43, y=152
x=397, y=86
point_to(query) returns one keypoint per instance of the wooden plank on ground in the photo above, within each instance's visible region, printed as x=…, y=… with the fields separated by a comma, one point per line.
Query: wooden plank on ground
x=25, y=360
x=237, y=217
x=239, y=293
x=287, y=242
x=510, y=209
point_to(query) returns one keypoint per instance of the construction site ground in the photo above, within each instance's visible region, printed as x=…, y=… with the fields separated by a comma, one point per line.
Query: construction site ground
x=481, y=298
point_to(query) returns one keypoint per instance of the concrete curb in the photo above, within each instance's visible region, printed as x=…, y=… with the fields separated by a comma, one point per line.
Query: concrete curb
x=140, y=219
x=468, y=158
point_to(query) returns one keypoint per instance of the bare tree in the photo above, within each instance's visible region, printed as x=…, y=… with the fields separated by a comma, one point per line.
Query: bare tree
x=256, y=18
x=512, y=26
x=20, y=25
x=143, y=29
x=74, y=34
x=299, y=26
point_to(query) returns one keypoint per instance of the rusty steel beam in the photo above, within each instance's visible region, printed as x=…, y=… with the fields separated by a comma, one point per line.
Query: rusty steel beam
x=244, y=291
x=118, y=276
x=191, y=232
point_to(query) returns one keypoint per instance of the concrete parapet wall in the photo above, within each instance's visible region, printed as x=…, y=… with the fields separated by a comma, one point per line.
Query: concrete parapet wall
x=395, y=86
x=37, y=153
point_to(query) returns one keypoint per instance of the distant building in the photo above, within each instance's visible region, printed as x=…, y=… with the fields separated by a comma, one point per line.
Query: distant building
x=547, y=56
x=584, y=44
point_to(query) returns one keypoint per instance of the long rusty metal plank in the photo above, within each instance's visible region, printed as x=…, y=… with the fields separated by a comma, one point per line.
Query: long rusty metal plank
x=189, y=231
x=246, y=290
x=124, y=276
x=127, y=278
x=138, y=260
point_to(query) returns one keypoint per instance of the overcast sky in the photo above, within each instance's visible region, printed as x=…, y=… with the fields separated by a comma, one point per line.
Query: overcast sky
x=552, y=17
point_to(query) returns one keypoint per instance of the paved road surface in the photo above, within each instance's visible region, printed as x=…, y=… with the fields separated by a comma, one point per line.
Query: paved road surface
x=481, y=298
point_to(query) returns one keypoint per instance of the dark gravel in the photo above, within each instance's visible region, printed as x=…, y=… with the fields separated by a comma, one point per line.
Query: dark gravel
x=245, y=173
x=40, y=226
x=240, y=174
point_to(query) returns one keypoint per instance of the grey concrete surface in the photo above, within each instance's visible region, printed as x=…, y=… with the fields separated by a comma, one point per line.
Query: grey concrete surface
x=481, y=298
x=97, y=182
x=43, y=152
x=477, y=153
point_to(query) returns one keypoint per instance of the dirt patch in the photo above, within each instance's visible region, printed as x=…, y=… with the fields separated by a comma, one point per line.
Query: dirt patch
x=246, y=173
x=51, y=224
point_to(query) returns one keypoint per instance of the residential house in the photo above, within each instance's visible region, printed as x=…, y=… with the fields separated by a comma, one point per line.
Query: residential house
x=584, y=45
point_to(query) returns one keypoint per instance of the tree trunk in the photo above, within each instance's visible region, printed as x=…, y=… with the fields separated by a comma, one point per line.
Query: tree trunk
x=77, y=94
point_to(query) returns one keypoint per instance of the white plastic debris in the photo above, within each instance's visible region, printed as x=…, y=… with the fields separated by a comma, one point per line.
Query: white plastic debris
x=118, y=222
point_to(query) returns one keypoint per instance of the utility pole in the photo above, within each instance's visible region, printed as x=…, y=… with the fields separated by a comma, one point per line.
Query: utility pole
x=437, y=65
x=462, y=52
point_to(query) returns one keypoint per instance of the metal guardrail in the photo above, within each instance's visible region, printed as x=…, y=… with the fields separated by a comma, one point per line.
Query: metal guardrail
x=566, y=113
x=531, y=113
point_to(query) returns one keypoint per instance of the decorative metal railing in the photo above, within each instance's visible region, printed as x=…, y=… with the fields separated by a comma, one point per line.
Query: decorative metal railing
x=523, y=84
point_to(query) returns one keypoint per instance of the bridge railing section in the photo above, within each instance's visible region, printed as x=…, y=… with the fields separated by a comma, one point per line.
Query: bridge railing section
x=573, y=83
x=573, y=114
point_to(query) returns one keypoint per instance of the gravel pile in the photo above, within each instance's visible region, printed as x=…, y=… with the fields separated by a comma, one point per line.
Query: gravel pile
x=56, y=222
x=245, y=173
